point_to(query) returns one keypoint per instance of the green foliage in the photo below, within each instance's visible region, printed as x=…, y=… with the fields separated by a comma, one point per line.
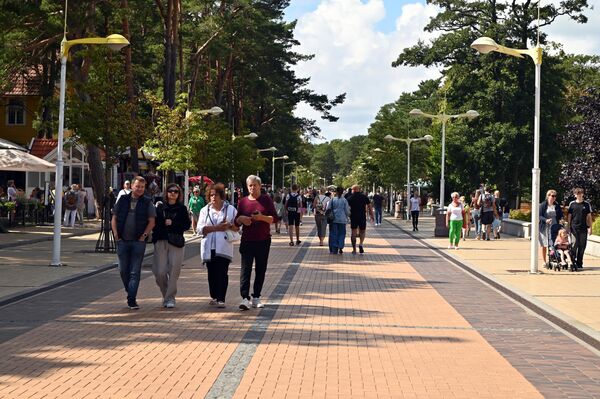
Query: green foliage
x=596, y=227
x=516, y=214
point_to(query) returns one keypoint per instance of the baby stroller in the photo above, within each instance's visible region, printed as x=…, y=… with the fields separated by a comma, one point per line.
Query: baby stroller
x=554, y=258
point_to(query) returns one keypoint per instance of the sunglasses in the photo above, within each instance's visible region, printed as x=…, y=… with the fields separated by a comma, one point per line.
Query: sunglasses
x=552, y=195
x=173, y=191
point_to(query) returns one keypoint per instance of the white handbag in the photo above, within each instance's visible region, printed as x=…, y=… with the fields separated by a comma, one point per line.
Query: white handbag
x=232, y=236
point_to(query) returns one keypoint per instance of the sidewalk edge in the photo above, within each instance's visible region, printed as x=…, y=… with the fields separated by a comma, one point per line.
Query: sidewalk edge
x=574, y=327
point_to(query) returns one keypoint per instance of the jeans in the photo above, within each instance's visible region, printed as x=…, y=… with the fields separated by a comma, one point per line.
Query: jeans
x=131, y=255
x=477, y=220
x=256, y=252
x=378, y=215
x=579, y=246
x=166, y=267
x=69, y=218
x=415, y=219
x=218, y=279
x=337, y=236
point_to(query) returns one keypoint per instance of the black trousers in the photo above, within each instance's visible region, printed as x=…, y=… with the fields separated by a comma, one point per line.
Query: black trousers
x=415, y=218
x=579, y=246
x=218, y=277
x=256, y=252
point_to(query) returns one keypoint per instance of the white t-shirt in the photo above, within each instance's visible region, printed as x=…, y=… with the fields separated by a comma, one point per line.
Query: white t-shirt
x=455, y=211
x=415, y=204
x=12, y=193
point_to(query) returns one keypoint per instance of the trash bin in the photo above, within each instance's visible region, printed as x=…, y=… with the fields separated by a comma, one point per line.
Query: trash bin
x=398, y=210
x=440, y=224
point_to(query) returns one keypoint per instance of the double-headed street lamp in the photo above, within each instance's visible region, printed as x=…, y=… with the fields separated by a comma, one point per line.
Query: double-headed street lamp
x=115, y=43
x=444, y=118
x=273, y=159
x=485, y=45
x=408, y=142
x=283, y=172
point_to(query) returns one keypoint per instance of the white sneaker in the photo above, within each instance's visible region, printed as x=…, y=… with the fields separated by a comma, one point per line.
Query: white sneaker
x=245, y=305
x=450, y=247
x=170, y=304
x=213, y=302
x=456, y=247
x=220, y=304
x=256, y=303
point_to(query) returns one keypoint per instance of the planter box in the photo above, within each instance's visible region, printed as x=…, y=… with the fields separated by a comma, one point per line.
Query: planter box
x=516, y=228
x=593, y=246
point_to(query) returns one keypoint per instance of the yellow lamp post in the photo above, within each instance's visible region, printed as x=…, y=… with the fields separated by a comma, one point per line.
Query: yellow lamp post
x=485, y=45
x=115, y=43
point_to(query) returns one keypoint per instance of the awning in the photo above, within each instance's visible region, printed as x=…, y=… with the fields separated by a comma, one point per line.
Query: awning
x=16, y=158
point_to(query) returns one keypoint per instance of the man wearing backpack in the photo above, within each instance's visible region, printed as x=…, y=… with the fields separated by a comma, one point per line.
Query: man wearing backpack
x=293, y=203
x=488, y=211
x=70, y=206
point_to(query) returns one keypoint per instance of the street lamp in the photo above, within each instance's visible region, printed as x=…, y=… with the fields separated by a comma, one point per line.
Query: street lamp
x=189, y=114
x=273, y=159
x=251, y=135
x=272, y=149
x=113, y=42
x=324, y=181
x=283, y=172
x=408, y=142
x=485, y=45
x=444, y=118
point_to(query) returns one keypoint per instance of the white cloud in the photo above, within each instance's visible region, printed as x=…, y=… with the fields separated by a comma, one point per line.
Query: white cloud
x=577, y=38
x=352, y=56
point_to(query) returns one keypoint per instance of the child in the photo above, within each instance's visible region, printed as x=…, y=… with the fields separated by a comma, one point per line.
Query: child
x=562, y=246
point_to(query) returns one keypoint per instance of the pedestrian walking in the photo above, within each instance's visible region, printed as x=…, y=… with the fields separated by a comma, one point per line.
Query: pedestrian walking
x=81, y=203
x=133, y=219
x=319, y=205
x=415, y=208
x=216, y=249
x=360, y=206
x=497, y=224
x=172, y=220
x=70, y=206
x=550, y=216
x=378, y=205
x=580, y=221
x=195, y=205
x=339, y=208
x=466, y=229
x=488, y=211
x=256, y=212
x=279, y=210
x=125, y=190
x=455, y=215
x=293, y=206
x=476, y=214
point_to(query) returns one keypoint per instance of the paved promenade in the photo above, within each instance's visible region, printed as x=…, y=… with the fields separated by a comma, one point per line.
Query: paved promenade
x=401, y=321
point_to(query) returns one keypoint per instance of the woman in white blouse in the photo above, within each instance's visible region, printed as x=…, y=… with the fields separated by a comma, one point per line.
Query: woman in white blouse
x=216, y=250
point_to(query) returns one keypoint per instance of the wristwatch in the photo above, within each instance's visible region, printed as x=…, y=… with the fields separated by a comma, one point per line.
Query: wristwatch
x=145, y=235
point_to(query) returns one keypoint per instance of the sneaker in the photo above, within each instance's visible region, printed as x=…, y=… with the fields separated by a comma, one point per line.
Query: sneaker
x=416, y=228
x=449, y=246
x=220, y=304
x=298, y=242
x=245, y=305
x=170, y=304
x=291, y=243
x=256, y=303
x=341, y=252
x=132, y=304
x=456, y=247
x=213, y=302
x=361, y=249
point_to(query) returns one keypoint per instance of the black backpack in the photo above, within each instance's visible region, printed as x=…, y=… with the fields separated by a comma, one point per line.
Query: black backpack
x=292, y=203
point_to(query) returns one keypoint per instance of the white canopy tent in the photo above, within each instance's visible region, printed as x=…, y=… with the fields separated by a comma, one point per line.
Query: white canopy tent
x=16, y=158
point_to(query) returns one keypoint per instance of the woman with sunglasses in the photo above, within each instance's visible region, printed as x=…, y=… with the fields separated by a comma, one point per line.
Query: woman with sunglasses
x=172, y=220
x=550, y=216
x=216, y=250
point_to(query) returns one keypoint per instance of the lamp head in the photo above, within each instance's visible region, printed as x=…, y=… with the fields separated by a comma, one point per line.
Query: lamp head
x=286, y=157
x=428, y=137
x=116, y=42
x=272, y=149
x=379, y=149
x=415, y=112
x=251, y=135
x=389, y=137
x=215, y=111
x=485, y=45
x=471, y=114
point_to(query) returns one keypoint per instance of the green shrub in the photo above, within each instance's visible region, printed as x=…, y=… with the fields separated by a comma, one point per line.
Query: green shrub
x=520, y=215
x=596, y=227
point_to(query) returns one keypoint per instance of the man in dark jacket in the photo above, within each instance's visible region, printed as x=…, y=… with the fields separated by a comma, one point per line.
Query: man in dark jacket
x=133, y=219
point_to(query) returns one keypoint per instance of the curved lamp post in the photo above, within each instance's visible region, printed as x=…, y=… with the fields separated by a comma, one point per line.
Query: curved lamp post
x=283, y=172
x=408, y=142
x=273, y=159
x=444, y=118
x=114, y=42
x=486, y=45
x=272, y=149
x=234, y=138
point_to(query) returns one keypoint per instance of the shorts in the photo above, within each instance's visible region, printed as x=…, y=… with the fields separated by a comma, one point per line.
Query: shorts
x=293, y=218
x=360, y=224
x=487, y=217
